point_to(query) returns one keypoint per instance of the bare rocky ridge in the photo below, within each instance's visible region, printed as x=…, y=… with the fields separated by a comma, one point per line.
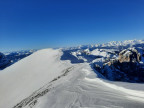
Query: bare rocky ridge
x=129, y=55
x=126, y=68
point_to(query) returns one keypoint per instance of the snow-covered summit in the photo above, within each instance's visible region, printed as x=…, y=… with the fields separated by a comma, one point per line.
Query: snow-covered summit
x=113, y=44
x=124, y=43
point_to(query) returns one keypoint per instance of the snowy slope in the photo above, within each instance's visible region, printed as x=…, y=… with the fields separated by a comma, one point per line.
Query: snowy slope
x=46, y=79
x=82, y=89
x=14, y=56
x=24, y=77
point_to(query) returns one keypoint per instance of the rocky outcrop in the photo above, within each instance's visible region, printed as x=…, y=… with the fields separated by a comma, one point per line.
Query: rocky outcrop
x=129, y=55
x=126, y=68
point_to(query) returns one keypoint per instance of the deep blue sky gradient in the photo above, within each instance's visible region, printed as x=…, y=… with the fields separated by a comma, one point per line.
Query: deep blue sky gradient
x=28, y=24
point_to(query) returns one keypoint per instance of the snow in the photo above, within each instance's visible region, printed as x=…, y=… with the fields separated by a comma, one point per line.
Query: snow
x=127, y=53
x=115, y=44
x=83, y=90
x=97, y=52
x=24, y=77
x=43, y=80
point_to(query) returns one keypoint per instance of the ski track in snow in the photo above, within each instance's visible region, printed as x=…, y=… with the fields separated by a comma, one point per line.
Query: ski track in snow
x=82, y=90
x=70, y=86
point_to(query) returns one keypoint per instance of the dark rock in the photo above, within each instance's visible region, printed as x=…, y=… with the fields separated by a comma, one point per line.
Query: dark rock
x=126, y=68
x=3, y=61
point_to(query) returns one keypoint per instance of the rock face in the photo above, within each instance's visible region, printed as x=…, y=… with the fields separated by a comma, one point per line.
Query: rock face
x=126, y=68
x=3, y=61
x=129, y=55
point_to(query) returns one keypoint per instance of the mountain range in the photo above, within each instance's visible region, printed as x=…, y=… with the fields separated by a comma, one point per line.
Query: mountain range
x=109, y=75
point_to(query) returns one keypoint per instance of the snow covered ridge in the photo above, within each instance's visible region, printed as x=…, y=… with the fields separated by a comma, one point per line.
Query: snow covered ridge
x=13, y=57
x=123, y=43
x=29, y=75
x=126, y=43
x=62, y=78
x=98, y=57
x=68, y=78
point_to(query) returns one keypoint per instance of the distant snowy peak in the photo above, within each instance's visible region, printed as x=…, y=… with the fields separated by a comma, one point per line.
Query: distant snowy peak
x=121, y=43
x=126, y=42
x=113, y=43
x=20, y=52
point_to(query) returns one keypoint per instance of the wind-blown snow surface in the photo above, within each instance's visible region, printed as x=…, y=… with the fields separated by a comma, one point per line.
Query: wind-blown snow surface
x=24, y=77
x=45, y=81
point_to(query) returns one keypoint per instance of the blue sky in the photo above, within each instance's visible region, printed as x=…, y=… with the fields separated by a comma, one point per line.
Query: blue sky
x=28, y=24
